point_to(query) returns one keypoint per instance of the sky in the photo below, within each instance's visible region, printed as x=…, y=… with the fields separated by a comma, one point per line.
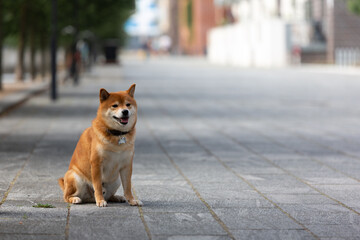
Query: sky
x=144, y=22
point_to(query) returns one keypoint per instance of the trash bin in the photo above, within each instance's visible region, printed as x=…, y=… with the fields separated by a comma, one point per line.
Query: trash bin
x=110, y=50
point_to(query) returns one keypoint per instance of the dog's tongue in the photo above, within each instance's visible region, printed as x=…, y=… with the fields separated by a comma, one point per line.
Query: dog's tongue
x=124, y=120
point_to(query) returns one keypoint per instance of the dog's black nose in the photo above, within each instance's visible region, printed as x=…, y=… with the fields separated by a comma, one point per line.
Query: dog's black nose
x=125, y=112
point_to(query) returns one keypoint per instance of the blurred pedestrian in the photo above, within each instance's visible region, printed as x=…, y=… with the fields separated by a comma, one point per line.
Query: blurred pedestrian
x=164, y=44
x=296, y=55
x=146, y=47
x=84, y=53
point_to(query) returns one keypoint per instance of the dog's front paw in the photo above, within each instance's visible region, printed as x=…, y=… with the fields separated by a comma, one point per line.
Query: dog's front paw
x=134, y=202
x=101, y=203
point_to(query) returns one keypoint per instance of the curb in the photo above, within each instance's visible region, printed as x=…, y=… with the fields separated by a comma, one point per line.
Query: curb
x=12, y=101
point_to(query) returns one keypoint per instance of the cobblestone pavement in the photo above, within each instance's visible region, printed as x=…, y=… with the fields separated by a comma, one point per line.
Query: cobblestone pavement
x=221, y=153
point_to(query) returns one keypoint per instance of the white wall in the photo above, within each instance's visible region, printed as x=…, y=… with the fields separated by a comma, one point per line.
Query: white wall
x=255, y=10
x=164, y=18
x=251, y=43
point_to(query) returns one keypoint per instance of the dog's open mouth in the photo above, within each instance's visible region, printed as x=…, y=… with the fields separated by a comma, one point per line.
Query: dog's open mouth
x=122, y=120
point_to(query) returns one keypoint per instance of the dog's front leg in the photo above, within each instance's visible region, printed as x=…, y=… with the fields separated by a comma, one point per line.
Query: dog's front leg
x=125, y=174
x=97, y=181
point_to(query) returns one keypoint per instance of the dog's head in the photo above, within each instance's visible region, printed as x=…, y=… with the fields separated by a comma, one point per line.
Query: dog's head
x=118, y=110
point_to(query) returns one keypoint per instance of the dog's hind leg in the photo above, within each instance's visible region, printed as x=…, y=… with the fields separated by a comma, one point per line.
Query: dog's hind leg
x=74, y=200
x=70, y=188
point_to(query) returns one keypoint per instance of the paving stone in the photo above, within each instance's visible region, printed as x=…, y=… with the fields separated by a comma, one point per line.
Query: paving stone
x=325, y=214
x=276, y=184
x=112, y=210
x=26, y=236
x=23, y=226
x=91, y=232
x=191, y=237
x=183, y=223
x=178, y=104
x=25, y=219
x=256, y=218
x=347, y=194
x=227, y=202
x=273, y=234
x=337, y=231
x=304, y=199
x=169, y=198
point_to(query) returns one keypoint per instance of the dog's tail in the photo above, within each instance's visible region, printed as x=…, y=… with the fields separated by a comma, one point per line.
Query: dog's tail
x=61, y=183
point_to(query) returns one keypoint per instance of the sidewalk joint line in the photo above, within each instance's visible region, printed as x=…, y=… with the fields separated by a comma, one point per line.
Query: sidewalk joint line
x=214, y=215
x=235, y=173
x=288, y=172
x=141, y=213
x=20, y=122
x=67, y=226
x=265, y=158
x=303, y=137
x=307, y=139
x=12, y=183
x=298, y=152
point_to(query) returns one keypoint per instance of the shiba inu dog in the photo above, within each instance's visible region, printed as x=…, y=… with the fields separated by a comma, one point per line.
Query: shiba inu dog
x=104, y=153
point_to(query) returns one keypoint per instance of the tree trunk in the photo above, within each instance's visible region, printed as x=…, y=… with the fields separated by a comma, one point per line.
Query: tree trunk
x=20, y=71
x=32, y=54
x=1, y=43
x=43, y=58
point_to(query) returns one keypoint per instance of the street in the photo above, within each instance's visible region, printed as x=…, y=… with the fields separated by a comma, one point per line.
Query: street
x=221, y=153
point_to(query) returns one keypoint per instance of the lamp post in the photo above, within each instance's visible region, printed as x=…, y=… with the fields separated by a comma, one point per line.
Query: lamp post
x=53, y=91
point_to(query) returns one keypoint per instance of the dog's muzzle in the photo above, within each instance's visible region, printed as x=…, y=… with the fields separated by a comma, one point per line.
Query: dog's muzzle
x=123, y=120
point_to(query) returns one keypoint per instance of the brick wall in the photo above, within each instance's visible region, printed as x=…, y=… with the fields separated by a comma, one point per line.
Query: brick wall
x=193, y=41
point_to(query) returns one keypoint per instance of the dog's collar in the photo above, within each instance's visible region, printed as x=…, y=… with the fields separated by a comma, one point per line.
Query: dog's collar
x=116, y=132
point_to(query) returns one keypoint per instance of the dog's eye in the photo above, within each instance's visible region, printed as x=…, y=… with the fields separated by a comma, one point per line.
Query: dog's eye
x=128, y=104
x=115, y=106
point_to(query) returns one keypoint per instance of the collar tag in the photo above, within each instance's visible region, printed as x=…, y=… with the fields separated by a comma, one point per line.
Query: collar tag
x=122, y=140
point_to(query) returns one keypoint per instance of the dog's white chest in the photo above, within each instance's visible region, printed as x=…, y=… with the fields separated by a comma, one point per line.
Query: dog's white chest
x=113, y=162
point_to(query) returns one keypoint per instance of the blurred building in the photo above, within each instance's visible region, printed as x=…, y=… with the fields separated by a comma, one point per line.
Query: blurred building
x=185, y=22
x=196, y=18
x=191, y=20
x=344, y=37
x=269, y=33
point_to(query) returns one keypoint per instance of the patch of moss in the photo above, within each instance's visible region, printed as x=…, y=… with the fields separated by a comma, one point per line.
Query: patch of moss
x=39, y=205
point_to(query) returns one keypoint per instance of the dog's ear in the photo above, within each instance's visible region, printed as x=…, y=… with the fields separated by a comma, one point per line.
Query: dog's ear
x=103, y=95
x=131, y=90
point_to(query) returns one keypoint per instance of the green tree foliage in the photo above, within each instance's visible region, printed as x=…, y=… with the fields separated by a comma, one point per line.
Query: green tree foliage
x=354, y=6
x=104, y=18
x=27, y=22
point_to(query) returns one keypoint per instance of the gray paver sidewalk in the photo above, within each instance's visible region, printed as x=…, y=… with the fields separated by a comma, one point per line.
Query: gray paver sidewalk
x=221, y=153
